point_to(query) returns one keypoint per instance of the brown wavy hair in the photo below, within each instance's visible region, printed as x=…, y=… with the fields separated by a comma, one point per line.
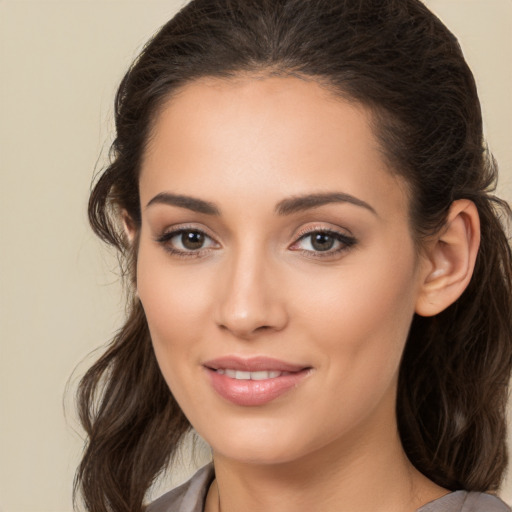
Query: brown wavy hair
x=399, y=60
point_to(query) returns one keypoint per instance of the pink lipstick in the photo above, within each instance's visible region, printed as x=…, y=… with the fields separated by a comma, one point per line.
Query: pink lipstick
x=253, y=381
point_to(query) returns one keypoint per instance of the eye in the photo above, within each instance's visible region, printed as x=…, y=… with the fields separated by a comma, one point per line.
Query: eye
x=323, y=241
x=186, y=242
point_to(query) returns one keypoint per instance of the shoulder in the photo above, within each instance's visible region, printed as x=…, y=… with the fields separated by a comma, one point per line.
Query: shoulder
x=188, y=497
x=463, y=501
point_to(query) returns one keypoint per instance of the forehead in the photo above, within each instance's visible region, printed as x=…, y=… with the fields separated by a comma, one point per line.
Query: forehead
x=264, y=137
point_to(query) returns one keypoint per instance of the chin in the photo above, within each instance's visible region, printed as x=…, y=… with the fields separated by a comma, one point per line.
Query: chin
x=257, y=454
x=260, y=446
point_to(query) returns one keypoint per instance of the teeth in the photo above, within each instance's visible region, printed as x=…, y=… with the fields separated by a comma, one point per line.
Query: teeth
x=264, y=375
x=241, y=375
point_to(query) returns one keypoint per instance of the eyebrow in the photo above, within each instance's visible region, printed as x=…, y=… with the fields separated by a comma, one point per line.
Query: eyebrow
x=190, y=203
x=306, y=202
x=285, y=207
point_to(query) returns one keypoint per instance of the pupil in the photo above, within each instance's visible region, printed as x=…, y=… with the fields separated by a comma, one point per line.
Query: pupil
x=192, y=239
x=322, y=242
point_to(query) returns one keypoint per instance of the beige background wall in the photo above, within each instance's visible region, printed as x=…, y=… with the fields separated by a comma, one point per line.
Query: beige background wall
x=60, y=62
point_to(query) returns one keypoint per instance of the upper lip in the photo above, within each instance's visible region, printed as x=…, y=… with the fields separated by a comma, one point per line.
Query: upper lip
x=253, y=364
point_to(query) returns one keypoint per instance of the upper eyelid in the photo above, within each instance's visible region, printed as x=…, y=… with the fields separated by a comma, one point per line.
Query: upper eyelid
x=178, y=228
x=323, y=229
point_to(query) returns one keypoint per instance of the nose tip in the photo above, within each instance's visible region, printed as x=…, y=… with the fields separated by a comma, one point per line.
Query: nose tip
x=250, y=305
x=247, y=324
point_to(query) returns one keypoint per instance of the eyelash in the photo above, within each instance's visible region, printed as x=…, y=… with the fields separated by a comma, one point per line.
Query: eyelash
x=346, y=242
x=166, y=237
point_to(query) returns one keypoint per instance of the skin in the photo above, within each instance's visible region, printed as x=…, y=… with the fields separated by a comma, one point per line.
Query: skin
x=258, y=287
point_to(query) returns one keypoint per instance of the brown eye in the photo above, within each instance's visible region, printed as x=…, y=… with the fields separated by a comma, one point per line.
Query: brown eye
x=322, y=241
x=192, y=240
x=186, y=242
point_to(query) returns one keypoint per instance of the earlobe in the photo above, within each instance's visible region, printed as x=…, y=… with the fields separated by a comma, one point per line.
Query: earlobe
x=450, y=259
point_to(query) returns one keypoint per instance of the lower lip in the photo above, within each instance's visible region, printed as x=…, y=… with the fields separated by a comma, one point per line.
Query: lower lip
x=254, y=392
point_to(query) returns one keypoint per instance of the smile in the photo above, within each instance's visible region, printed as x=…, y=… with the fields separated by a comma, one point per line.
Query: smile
x=255, y=381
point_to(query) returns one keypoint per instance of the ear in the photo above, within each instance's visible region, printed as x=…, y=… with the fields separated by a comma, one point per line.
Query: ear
x=130, y=232
x=449, y=259
x=128, y=226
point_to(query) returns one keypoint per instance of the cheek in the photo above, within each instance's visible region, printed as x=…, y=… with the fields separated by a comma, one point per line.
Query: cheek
x=177, y=305
x=373, y=289
x=361, y=316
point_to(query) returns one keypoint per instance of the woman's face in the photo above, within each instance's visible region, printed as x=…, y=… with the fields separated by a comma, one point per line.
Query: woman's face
x=276, y=267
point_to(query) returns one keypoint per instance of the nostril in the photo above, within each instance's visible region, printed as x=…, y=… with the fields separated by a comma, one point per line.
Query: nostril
x=263, y=328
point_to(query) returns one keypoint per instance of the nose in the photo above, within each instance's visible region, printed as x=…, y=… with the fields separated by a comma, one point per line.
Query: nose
x=251, y=300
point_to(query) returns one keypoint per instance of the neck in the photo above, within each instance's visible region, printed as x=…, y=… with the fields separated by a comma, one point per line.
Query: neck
x=367, y=471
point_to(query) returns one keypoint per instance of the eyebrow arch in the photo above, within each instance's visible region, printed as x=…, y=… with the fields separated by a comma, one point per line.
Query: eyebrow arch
x=190, y=203
x=306, y=202
x=285, y=207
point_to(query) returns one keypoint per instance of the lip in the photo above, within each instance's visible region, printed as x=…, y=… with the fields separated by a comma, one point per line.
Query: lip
x=254, y=392
x=253, y=364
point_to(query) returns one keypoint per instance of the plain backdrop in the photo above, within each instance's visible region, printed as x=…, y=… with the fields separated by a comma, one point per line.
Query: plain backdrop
x=60, y=62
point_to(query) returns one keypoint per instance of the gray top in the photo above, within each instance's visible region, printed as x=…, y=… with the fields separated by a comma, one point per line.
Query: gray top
x=190, y=497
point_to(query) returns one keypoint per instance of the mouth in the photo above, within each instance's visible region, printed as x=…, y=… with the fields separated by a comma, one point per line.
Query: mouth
x=254, y=381
x=242, y=375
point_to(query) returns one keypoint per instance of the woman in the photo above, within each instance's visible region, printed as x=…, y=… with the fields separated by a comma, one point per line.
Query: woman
x=321, y=285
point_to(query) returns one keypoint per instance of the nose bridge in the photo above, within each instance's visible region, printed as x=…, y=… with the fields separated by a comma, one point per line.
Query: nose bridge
x=250, y=302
